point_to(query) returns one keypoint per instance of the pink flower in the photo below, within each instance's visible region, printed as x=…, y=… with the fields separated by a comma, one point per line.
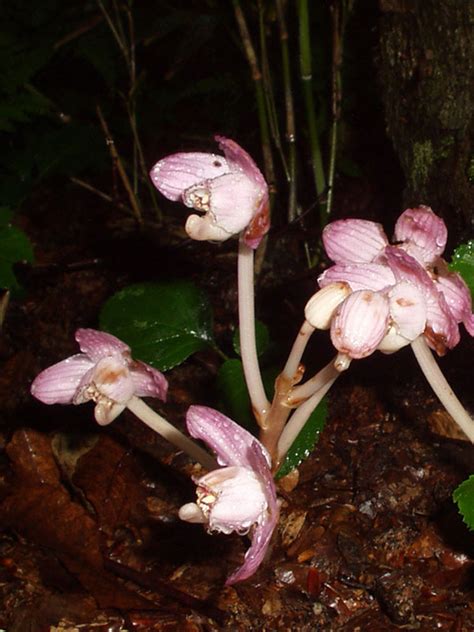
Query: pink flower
x=241, y=495
x=230, y=190
x=398, y=292
x=104, y=372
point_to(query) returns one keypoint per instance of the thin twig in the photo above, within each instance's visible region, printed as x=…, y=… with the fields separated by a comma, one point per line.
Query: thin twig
x=272, y=112
x=108, y=198
x=118, y=37
x=84, y=28
x=290, y=114
x=118, y=162
x=4, y=302
x=307, y=86
x=262, y=118
x=260, y=98
x=339, y=20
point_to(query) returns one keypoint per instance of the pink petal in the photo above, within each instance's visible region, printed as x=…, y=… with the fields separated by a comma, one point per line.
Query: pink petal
x=408, y=310
x=360, y=323
x=176, y=173
x=407, y=268
x=456, y=293
x=468, y=323
x=239, y=160
x=232, y=200
x=147, y=381
x=424, y=233
x=231, y=443
x=441, y=330
x=354, y=240
x=260, y=224
x=58, y=383
x=262, y=532
x=98, y=344
x=360, y=276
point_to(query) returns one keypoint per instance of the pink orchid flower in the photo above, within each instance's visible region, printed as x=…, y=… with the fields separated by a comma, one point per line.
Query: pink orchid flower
x=104, y=372
x=230, y=190
x=397, y=292
x=240, y=496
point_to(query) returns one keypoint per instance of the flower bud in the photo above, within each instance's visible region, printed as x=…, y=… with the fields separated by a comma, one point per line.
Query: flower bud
x=321, y=306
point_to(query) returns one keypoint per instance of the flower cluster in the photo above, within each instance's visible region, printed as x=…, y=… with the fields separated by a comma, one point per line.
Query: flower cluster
x=230, y=190
x=104, y=372
x=382, y=296
x=240, y=496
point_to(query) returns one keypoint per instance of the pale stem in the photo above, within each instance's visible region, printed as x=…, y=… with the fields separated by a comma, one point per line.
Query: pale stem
x=325, y=376
x=440, y=386
x=296, y=353
x=281, y=407
x=157, y=423
x=300, y=417
x=248, y=345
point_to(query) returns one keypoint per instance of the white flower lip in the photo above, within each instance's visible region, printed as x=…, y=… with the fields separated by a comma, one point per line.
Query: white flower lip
x=238, y=497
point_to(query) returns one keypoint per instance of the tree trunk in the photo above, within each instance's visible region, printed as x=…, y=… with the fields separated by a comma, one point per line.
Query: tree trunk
x=426, y=68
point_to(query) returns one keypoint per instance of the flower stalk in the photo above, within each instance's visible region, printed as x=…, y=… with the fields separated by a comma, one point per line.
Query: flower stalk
x=169, y=432
x=299, y=419
x=248, y=345
x=441, y=387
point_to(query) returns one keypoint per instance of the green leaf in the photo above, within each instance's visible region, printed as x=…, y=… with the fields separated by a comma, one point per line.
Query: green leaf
x=306, y=440
x=463, y=496
x=14, y=246
x=463, y=262
x=6, y=215
x=261, y=335
x=164, y=323
x=233, y=391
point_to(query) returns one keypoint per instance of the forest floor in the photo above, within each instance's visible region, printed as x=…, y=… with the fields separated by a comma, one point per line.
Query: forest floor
x=369, y=539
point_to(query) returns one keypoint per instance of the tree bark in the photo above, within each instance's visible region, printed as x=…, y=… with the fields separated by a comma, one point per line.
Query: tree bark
x=426, y=69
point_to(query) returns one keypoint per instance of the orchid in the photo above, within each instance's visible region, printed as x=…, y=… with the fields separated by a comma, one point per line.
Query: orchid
x=382, y=296
x=240, y=496
x=230, y=190
x=398, y=292
x=232, y=193
x=104, y=372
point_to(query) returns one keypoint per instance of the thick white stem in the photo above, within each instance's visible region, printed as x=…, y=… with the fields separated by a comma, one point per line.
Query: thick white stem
x=157, y=423
x=248, y=345
x=296, y=353
x=440, y=386
x=320, y=380
x=300, y=417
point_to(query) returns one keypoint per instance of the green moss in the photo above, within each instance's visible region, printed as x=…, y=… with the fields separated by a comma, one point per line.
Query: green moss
x=470, y=169
x=423, y=158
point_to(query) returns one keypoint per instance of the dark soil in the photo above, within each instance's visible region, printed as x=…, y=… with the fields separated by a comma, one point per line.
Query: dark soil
x=369, y=538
